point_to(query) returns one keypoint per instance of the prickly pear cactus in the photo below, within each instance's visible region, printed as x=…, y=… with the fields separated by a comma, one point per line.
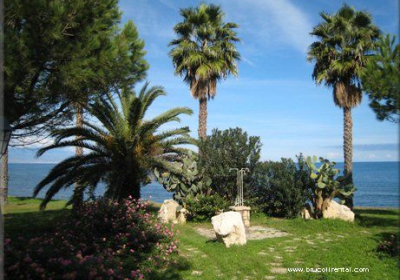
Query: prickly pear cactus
x=327, y=185
x=189, y=180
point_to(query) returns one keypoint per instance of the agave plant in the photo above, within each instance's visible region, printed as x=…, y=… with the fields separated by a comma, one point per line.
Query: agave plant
x=122, y=147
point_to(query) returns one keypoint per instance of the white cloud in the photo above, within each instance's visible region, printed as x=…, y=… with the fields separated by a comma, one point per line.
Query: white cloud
x=271, y=22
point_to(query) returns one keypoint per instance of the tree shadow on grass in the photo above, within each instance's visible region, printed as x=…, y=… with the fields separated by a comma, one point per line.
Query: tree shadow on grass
x=377, y=211
x=173, y=271
x=24, y=198
x=377, y=218
x=32, y=223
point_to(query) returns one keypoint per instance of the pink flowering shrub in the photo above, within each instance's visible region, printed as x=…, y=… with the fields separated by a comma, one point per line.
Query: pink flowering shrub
x=103, y=240
x=390, y=246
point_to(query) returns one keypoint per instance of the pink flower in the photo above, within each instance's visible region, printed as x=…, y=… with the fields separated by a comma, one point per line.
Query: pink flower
x=66, y=262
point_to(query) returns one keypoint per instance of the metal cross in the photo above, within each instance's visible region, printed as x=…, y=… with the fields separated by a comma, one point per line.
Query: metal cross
x=239, y=201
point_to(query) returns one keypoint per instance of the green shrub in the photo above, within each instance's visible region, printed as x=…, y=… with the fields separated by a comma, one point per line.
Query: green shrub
x=281, y=187
x=202, y=207
x=230, y=148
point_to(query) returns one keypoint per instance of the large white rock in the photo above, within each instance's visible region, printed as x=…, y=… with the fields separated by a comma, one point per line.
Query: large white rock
x=229, y=228
x=167, y=212
x=337, y=211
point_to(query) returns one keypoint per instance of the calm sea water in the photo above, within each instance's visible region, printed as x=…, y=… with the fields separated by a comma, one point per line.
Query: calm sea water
x=377, y=183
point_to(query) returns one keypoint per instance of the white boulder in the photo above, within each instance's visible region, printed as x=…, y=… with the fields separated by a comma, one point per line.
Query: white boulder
x=337, y=211
x=229, y=228
x=167, y=212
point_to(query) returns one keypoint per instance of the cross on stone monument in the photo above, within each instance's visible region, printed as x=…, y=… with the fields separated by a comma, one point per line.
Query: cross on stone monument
x=239, y=201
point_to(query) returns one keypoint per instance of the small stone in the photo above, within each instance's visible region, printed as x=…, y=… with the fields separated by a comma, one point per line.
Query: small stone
x=182, y=214
x=196, y=272
x=305, y=214
x=279, y=270
x=167, y=212
x=275, y=264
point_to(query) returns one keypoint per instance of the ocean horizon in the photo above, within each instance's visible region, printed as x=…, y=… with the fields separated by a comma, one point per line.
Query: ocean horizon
x=377, y=183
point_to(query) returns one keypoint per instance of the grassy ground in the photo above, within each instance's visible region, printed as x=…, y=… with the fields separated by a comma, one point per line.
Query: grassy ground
x=310, y=244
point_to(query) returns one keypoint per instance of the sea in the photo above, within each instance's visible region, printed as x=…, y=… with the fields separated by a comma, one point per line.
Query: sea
x=377, y=183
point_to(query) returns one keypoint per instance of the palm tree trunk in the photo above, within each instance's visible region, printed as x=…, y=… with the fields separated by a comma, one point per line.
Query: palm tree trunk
x=203, y=118
x=348, y=151
x=4, y=179
x=78, y=150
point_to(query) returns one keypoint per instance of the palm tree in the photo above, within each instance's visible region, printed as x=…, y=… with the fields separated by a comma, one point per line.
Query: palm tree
x=203, y=53
x=345, y=41
x=123, y=148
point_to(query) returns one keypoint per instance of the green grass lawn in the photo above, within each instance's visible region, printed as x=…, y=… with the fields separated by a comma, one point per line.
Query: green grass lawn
x=310, y=244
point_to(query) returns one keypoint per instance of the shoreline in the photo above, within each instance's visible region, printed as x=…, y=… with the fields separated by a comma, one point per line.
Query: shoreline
x=159, y=203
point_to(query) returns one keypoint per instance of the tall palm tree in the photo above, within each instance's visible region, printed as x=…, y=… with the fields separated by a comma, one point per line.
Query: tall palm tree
x=203, y=53
x=123, y=148
x=345, y=41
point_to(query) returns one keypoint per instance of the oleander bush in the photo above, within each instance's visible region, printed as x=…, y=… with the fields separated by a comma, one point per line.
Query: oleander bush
x=390, y=246
x=203, y=207
x=104, y=239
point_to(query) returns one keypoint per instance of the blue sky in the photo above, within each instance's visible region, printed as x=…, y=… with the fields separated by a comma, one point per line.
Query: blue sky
x=273, y=96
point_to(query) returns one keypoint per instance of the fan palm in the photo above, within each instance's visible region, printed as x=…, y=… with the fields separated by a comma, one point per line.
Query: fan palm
x=203, y=53
x=122, y=147
x=345, y=41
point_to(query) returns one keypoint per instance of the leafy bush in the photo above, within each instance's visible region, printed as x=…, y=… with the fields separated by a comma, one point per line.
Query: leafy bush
x=202, y=207
x=281, y=187
x=390, y=246
x=102, y=240
x=229, y=149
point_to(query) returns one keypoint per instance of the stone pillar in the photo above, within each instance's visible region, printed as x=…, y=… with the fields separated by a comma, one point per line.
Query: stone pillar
x=244, y=212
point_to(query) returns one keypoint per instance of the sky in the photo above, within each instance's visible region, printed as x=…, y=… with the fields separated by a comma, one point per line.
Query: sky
x=273, y=96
